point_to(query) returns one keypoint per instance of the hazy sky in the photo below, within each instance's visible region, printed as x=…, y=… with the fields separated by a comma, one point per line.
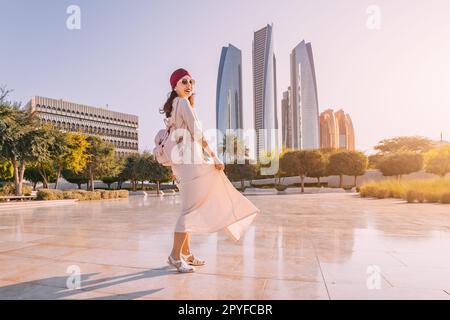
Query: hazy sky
x=393, y=81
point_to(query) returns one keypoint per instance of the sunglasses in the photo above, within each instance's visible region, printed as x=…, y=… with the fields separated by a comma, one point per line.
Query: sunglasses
x=186, y=81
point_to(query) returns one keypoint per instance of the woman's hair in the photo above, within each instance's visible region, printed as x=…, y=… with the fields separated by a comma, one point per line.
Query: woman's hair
x=167, y=108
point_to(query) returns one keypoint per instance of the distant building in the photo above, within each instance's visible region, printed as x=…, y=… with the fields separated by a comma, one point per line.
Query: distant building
x=265, y=91
x=120, y=129
x=336, y=130
x=304, y=98
x=286, y=119
x=229, y=92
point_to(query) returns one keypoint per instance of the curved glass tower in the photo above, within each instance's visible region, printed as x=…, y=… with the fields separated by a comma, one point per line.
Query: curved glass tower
x=229, y=91
x=265, y=91
x=305, y=105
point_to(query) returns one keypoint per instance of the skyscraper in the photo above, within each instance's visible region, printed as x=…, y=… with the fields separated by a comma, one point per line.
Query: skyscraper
x=336, y=130
x=265, y=91
x=286, y=119
x=229, y=91
x=305, y=105
x=328, y=130
x=346, y=132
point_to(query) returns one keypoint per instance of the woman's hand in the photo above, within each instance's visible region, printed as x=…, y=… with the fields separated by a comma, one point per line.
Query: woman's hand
x=218, y=164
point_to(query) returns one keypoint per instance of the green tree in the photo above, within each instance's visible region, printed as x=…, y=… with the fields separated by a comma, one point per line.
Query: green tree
x=240, y=172
x=6, y=170
x=17, y=130
x=401, y=163
x=357, y=165
x=75, y=178
x=236, y=159
x=129, y=171
x=408, y=144
x=101, y=160
x=143, y=167
x=34, y=175
x=320, y=169
x=233, y=149
x=288, y=164
x=70, y=152
x=346, y=163
x=157, y=173
x=302, y=163
x=374, y=160
x=44, y=147
x=437, y=161
x=116, y=169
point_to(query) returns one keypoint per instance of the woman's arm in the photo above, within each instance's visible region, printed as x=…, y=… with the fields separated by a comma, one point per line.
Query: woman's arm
x=193, y=127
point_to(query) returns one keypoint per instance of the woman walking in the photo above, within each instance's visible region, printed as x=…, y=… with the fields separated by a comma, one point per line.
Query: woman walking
x=209, y=201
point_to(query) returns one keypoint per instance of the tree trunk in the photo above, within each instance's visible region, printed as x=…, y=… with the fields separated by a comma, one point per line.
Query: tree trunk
x=302, y=180
x=356, y=177
x=91, y=178
x=157, y=188
x=58, y=175
x=341, y=181
x=242, y=184
x=142, y=185
x=34, y=186
x=44, y=177
x=134, y=185
x=318, y=182
x=16, y=176
x=21, y=174
x=79, y=186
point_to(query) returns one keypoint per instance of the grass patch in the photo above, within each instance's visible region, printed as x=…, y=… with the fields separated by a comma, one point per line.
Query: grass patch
x=430, y=191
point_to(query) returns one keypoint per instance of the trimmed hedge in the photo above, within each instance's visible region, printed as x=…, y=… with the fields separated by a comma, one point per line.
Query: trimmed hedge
x=82, y=195
x=9, y=189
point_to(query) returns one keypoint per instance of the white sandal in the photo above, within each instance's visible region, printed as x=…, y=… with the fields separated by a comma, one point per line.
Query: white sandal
x=180, y=265
x=193, y=260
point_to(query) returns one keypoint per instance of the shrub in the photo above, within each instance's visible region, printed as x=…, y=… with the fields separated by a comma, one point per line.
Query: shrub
x=420, y=196
x=432, y=197
x=411, y=196
x=82, y=195
x=382, y=193
x=48, y=194
x=9, y=189
x=123, y=193
x=411, y=191
x=445, y=197
x=280, y=187
x=367, y=190
x=74, y=194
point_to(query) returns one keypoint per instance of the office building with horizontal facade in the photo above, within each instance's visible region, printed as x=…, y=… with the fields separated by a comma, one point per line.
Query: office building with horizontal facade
x=120, y=129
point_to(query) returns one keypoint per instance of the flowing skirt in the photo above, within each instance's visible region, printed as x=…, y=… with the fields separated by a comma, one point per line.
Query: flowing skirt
x=210, y=202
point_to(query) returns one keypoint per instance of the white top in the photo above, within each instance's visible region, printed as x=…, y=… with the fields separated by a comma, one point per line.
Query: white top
x=188, y=127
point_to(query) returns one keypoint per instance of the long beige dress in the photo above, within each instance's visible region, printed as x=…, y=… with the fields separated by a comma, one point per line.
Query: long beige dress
x=209, y=200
